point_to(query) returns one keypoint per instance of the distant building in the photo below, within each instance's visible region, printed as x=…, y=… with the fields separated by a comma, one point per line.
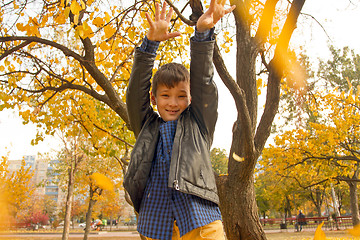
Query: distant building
x=44, y=177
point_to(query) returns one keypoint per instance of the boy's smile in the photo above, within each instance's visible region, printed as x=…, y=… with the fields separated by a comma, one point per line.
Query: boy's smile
x=171, y=102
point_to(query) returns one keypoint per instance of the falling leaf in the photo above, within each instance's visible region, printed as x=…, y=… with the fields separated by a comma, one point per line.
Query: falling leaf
x=319, y=233
x=238, y=158
x=102, y=181
x=355, y=231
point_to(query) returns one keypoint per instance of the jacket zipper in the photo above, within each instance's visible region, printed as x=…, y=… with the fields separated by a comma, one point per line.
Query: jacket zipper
x=176, y=181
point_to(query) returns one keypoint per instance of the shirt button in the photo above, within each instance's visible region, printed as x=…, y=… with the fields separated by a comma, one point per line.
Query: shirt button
x=168, y=151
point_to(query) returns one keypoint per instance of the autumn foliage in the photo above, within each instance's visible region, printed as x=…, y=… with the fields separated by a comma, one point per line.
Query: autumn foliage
x=16, y=190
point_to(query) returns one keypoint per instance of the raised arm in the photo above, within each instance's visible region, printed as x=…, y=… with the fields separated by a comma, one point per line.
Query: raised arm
x=137, y=95
x=203, y=89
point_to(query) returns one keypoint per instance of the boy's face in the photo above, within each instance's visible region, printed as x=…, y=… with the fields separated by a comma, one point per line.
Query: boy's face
x=171, y=102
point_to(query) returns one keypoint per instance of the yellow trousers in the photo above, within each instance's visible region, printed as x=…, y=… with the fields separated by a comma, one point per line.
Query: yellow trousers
x=212, y=231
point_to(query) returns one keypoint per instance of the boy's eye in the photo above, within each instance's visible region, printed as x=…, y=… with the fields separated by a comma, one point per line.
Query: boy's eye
x=164, y=95
x=182, y=96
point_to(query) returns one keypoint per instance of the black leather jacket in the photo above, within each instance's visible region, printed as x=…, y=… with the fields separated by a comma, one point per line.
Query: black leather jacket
x=190, y=167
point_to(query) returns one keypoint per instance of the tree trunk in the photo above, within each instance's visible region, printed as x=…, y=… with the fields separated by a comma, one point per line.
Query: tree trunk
x=318, y=198
x=239, y=210
x=335, y=202
x=354, y=202
x=65, y=235
x=111, y=220
x=287, y=207
x=88, y=215
x=236, y=190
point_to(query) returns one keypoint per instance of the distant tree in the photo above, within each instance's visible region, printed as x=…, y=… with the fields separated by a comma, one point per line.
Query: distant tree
x=16, y=189
x=342, y=68
x=325, y=151
x=219, y=160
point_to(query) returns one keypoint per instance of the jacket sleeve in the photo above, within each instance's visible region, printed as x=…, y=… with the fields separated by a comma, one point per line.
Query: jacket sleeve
x=137, y=94
x=203, y=90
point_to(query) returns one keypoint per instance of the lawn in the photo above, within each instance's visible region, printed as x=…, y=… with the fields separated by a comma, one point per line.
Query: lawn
x=307, y=235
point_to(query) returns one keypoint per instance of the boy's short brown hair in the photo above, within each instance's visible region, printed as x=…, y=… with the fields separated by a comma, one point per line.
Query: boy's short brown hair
x=170, y=75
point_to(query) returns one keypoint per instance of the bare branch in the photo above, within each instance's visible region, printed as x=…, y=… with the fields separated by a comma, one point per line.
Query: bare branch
x=14, y=49
x=275, y=74
x=65, y=50
x=327, y=35
x=238, y=95
x=184, y=19
x=114, y=136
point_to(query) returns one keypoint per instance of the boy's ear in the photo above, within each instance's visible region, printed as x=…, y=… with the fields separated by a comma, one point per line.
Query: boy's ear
x=152, y=98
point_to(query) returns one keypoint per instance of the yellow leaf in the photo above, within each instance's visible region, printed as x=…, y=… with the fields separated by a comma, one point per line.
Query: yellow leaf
x=82, y=4
x=80, y=31
x=2, y=68
x=76, y=19
x=75, y=7
x=104, y=46
x=109, y=31
x=20, y=26
x=87, y=30
x=67, y=12
x=319, y=233
x=101, y=181
x=131, y=33
x=98, y=21
x=355, y=231
x=238, y=158
x=60, y=18
x=107, y=17
x=15, y=5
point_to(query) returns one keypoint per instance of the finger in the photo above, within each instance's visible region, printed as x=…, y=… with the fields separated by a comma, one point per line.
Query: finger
x=222, y=2
x=212, y=4
x=150, y=21
x=157, y=11
x=163, y=11
x=229, y=10
x=173, y=35
x=169, y=15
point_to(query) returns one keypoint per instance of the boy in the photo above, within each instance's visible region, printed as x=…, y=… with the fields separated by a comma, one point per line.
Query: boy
x=170, y=178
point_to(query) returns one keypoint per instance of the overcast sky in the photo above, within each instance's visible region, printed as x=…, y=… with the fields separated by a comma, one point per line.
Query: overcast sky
x=340, y=19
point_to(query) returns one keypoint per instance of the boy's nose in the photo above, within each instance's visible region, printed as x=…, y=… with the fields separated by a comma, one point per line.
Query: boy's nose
x=173, y=101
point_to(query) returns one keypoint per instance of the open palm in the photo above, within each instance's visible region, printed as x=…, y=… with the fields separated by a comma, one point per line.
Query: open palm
x=159, y=28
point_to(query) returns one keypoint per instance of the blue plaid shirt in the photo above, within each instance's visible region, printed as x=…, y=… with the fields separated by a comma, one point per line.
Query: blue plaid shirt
x=161, y=205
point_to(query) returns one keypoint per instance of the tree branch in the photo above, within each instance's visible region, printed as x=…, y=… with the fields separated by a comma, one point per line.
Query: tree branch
x=276, y=68
x=266, y=21
x=239, y=98
x=65, y=50
x=14, y=49
x=180, y=15
x=112, y=135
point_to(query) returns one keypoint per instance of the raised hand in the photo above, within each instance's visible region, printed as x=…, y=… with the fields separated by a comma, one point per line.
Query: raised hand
x=214, y=13
x=159, y=28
